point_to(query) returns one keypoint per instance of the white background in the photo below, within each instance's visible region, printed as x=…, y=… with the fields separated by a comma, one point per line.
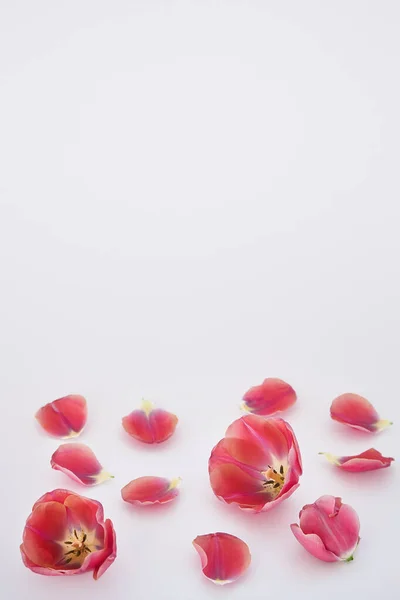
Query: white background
x=196, y=195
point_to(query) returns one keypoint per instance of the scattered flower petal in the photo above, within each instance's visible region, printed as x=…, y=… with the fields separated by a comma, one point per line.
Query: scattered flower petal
x=257, y=464
x=79, y=462
x=329, y=530
x=150, y=425
x=65, y=417
x=370, y=460
x=66, y=535
x=272, y=396
x=151, y=490
x=357, y=412
x=224, y=557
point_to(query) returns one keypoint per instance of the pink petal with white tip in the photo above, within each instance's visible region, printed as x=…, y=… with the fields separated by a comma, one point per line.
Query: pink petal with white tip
x=370, y=460
x=356, y=411
x=79, y=462
x=150, y=425
x=151, y=490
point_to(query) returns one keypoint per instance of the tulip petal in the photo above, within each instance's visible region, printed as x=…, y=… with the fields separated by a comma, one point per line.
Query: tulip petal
x=109, y=553
x=49, y=520
x=313, y=544
x=370, y=460
x=336, y=524
x=149, y=425
x=84, y=511
x=79, y=462
x=260, y=431
x=151, y=490
x=65, y=417
x=356, y=411
x=39, y=550
x=272, y=396
x=231, y=483
x=224, y=557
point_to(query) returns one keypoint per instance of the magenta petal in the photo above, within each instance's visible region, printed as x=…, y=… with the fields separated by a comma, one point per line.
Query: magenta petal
x=333, y=523
x=224, y=557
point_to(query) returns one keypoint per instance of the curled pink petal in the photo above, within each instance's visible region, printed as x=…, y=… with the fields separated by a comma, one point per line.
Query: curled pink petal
x=257, y=464
x=151, y=490
x=65, y=417
x=370, y=460
x=356, y=411
x=224, y=557
x=150, y=425
x=313, y=544
x=272, y=396
x=79, y=462
x=328, y=529
x=66, y=535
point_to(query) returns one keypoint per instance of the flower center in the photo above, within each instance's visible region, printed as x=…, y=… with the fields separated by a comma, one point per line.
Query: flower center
x=274, y=480
x=76, y=547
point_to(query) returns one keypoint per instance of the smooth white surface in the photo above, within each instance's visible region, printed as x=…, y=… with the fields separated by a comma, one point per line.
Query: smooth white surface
x=194, y=196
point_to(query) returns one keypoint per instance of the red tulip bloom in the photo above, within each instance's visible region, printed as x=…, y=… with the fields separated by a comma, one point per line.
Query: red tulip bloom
x=150, y=425
x=370, y=460
x=328, y=529
x=257, y=464
x=224, y=557
x=272, y=396
x=357, y=412
x=66, y=535
x=151, y=490
x=65, y=417
x=79, y=462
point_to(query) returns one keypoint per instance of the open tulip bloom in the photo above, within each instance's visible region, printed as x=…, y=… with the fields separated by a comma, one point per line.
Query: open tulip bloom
x=257, y=464
x=66, y=535
x=328, y=529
